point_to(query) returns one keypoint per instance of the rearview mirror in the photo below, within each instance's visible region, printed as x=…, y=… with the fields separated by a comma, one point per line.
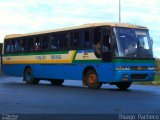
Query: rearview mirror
x=151, y=43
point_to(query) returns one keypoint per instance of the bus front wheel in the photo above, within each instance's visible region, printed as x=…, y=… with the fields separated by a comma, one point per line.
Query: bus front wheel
x=57, y=82
x=123, y=85
x=28, y=77
x=92, y=80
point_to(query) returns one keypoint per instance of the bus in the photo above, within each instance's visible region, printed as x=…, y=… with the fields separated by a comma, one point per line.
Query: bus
x=97, y=53
x=0, y=56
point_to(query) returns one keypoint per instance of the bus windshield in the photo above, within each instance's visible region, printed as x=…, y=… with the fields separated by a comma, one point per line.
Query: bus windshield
x=133, y=43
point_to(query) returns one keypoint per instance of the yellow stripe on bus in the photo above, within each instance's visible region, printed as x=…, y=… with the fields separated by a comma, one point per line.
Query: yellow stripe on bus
x=40, y=61
x=37, y=62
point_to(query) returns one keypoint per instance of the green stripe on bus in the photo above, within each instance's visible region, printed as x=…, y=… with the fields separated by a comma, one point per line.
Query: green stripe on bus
x=37, y=53
x=74, y=56
x=132, y=61
x=87, y=61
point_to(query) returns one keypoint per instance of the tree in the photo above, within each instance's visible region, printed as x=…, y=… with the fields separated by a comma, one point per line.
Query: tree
x=158, y=64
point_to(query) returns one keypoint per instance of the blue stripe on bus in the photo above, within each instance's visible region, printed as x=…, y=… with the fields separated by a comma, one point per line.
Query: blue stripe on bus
x=82, y=51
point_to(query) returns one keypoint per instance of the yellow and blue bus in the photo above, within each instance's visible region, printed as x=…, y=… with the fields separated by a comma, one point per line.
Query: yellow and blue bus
x=98, y=53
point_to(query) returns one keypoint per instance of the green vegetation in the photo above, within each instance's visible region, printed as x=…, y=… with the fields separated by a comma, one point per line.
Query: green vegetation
x=158, y=65
x=157, y=79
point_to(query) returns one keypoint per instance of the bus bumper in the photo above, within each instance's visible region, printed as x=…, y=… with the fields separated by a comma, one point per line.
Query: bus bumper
x=134, y=76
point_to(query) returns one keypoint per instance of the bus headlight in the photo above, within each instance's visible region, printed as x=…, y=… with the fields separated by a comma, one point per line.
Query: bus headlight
x=151, y=68
x=123, y=68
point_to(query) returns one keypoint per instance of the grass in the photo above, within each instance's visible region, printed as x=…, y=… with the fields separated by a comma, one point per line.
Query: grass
x=157, y=79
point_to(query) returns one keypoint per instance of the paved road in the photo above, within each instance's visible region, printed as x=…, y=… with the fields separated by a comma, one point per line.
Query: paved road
x=72, y=98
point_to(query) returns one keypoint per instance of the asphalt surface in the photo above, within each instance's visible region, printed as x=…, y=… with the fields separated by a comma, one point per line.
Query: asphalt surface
x=72, y=98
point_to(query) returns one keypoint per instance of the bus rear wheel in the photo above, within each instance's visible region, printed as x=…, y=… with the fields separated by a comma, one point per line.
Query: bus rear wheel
x=92, y=80
x=57, y=82
x=123, y=85
x=28, y=77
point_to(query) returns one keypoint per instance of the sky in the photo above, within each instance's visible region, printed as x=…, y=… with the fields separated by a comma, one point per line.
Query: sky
x=25, y=16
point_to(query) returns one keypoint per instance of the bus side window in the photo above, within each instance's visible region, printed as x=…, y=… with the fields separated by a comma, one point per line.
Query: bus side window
x=64, y=38
x=75, y=39
x=106, y=47
x=55, y=41
x=81, y=37
x=106, y=43
x=36, y=43
x=44, y=42
x=22, y=45
x=8, y=46
x=25, y=43
x=12, y=46
x=49, y=46
x=87, y=43
x=97, y=41
x=17, y=45
x=30, y=44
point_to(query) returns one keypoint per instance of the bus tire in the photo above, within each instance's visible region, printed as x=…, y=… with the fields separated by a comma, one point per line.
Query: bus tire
x=92, y=80
x=123, y=85
x=28, y=77
x=57, y=82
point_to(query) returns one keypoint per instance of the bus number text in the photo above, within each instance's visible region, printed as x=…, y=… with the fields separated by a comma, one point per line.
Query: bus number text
x=40, y=57
x=56, y=57
x=8, y=58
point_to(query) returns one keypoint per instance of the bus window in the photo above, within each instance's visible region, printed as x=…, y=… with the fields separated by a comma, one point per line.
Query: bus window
x=75, y=39
x=16, y=45
x=12, y=46
x=97, y=41
x=36, y=43
x=44, y=42
x=25, y=43
x=22, y=44
x=55, y=41
x=87, y=42
x=106, y=46
x=8, y=44
x=64, y=38
x=106, y=34
x=30, y=44
x=81, y=37
x=50, y=42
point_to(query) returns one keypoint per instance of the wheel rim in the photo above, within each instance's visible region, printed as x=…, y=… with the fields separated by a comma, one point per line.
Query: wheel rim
x=28, y=76
x=92, y=79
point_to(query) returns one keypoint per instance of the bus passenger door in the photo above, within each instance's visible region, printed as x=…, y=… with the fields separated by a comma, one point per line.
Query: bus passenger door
x=107, y=66
x=106, y=44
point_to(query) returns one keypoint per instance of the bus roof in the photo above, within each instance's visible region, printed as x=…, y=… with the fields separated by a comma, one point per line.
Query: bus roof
x=77, y=27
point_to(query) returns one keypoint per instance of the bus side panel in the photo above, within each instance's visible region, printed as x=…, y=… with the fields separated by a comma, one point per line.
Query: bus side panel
x=57, y=71
x=61, y=71
x=74, y=71
x=50, y=71
x=14, y=70
x=36, y=70
x=105, y=72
